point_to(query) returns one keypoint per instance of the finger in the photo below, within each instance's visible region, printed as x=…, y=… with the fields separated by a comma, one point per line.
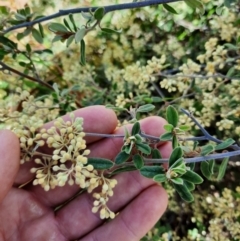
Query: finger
x=105, y=148
x=130, y=185
x=136, y=219
x=9, y=161
x=97, y=119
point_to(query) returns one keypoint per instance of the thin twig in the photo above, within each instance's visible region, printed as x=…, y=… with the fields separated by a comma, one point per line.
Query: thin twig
x=6, y=67
x=107, y=9
x=197, y=159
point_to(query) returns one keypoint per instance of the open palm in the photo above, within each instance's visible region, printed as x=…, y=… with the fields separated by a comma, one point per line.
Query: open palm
x=30, y=213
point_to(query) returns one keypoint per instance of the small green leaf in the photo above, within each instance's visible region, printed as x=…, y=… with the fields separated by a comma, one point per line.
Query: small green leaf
x=40, y=27
x=231, y=72
x=192, y=177
x=156, y=154
x=37, y=36
x=166, y=136
x=144, y=148
x=135, y=128
x=180, y=170
x=73, y=22
x=228, y=3
x=99, y=13
x=169, y=8
x=82, y=51
x=178, y=163
x=168, y=127
x=67, y=24
x=183, y=192
x=175, y=155
x=184, y=128
x=191, y=165
x=225, y=144
x=86, y=15
x=172, y=116
x=177, y=180
x=145, y=108
x=28, y=48
x=211, y=164
x=160, y=178
x=123, y=169
x=121, y=157
x=138, y=161
x=205, y=150
x=110, y=31
x=190, y=186
x=128, y=148
x=231, y=46
x=70, y=40
x=156, y=99
x=56, y=38
x=195, y=145
x=108, y=106
x=80, y=34
x=174, y=142
x=100, y=163
x=57, y=27
x=205, y=169
x=222, y=168
x=20, y=17
x=151, y=171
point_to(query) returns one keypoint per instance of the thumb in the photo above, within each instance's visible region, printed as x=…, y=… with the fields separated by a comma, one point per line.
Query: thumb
x=9, y=161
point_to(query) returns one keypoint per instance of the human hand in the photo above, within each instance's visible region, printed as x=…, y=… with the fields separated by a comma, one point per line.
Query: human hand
x=29, y=213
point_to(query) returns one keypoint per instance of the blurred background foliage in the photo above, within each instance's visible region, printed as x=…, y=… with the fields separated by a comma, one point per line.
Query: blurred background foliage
x=189, y=59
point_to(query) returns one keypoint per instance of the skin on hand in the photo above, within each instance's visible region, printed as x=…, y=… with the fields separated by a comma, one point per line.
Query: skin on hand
x=27, y=214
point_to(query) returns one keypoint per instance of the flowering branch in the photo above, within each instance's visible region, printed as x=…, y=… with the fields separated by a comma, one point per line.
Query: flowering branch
x=107, y=9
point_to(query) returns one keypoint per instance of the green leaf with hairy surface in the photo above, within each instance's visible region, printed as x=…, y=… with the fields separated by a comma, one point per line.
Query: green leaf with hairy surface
x=172, y=116
x=168, y=127
x=195, y=145
x=28, y=48
x=191, y=165
x=183, y=192
x=144, y=148
x=145, y=108
x=138, y=161
x=177, y=163
x=121, y=157
x=82, y=51
x=99, y=13
x=174, y=142
x=179, y=170
x=156, y=99
x=190, y=186
x=205, y=169
x=37, y=36
x=211, y=164
x=87, y=16
x=160, y=178
x=192, y=177
x=135, y=129
x=175, y=155
x=169, y=8
x=177, y=180
x=222, y=168
x=110, y=31
x=57, y=27
x=156, y=154
x=205, y=150
x=151, y=171
x=80, y=34
x=100, y=163
x=128, y=148
x=123, y=169
x=225, y=144
x=138, y=138
x=166, y=136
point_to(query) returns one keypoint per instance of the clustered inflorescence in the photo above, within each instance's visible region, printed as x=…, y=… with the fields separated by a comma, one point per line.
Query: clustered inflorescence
x=59, y=152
